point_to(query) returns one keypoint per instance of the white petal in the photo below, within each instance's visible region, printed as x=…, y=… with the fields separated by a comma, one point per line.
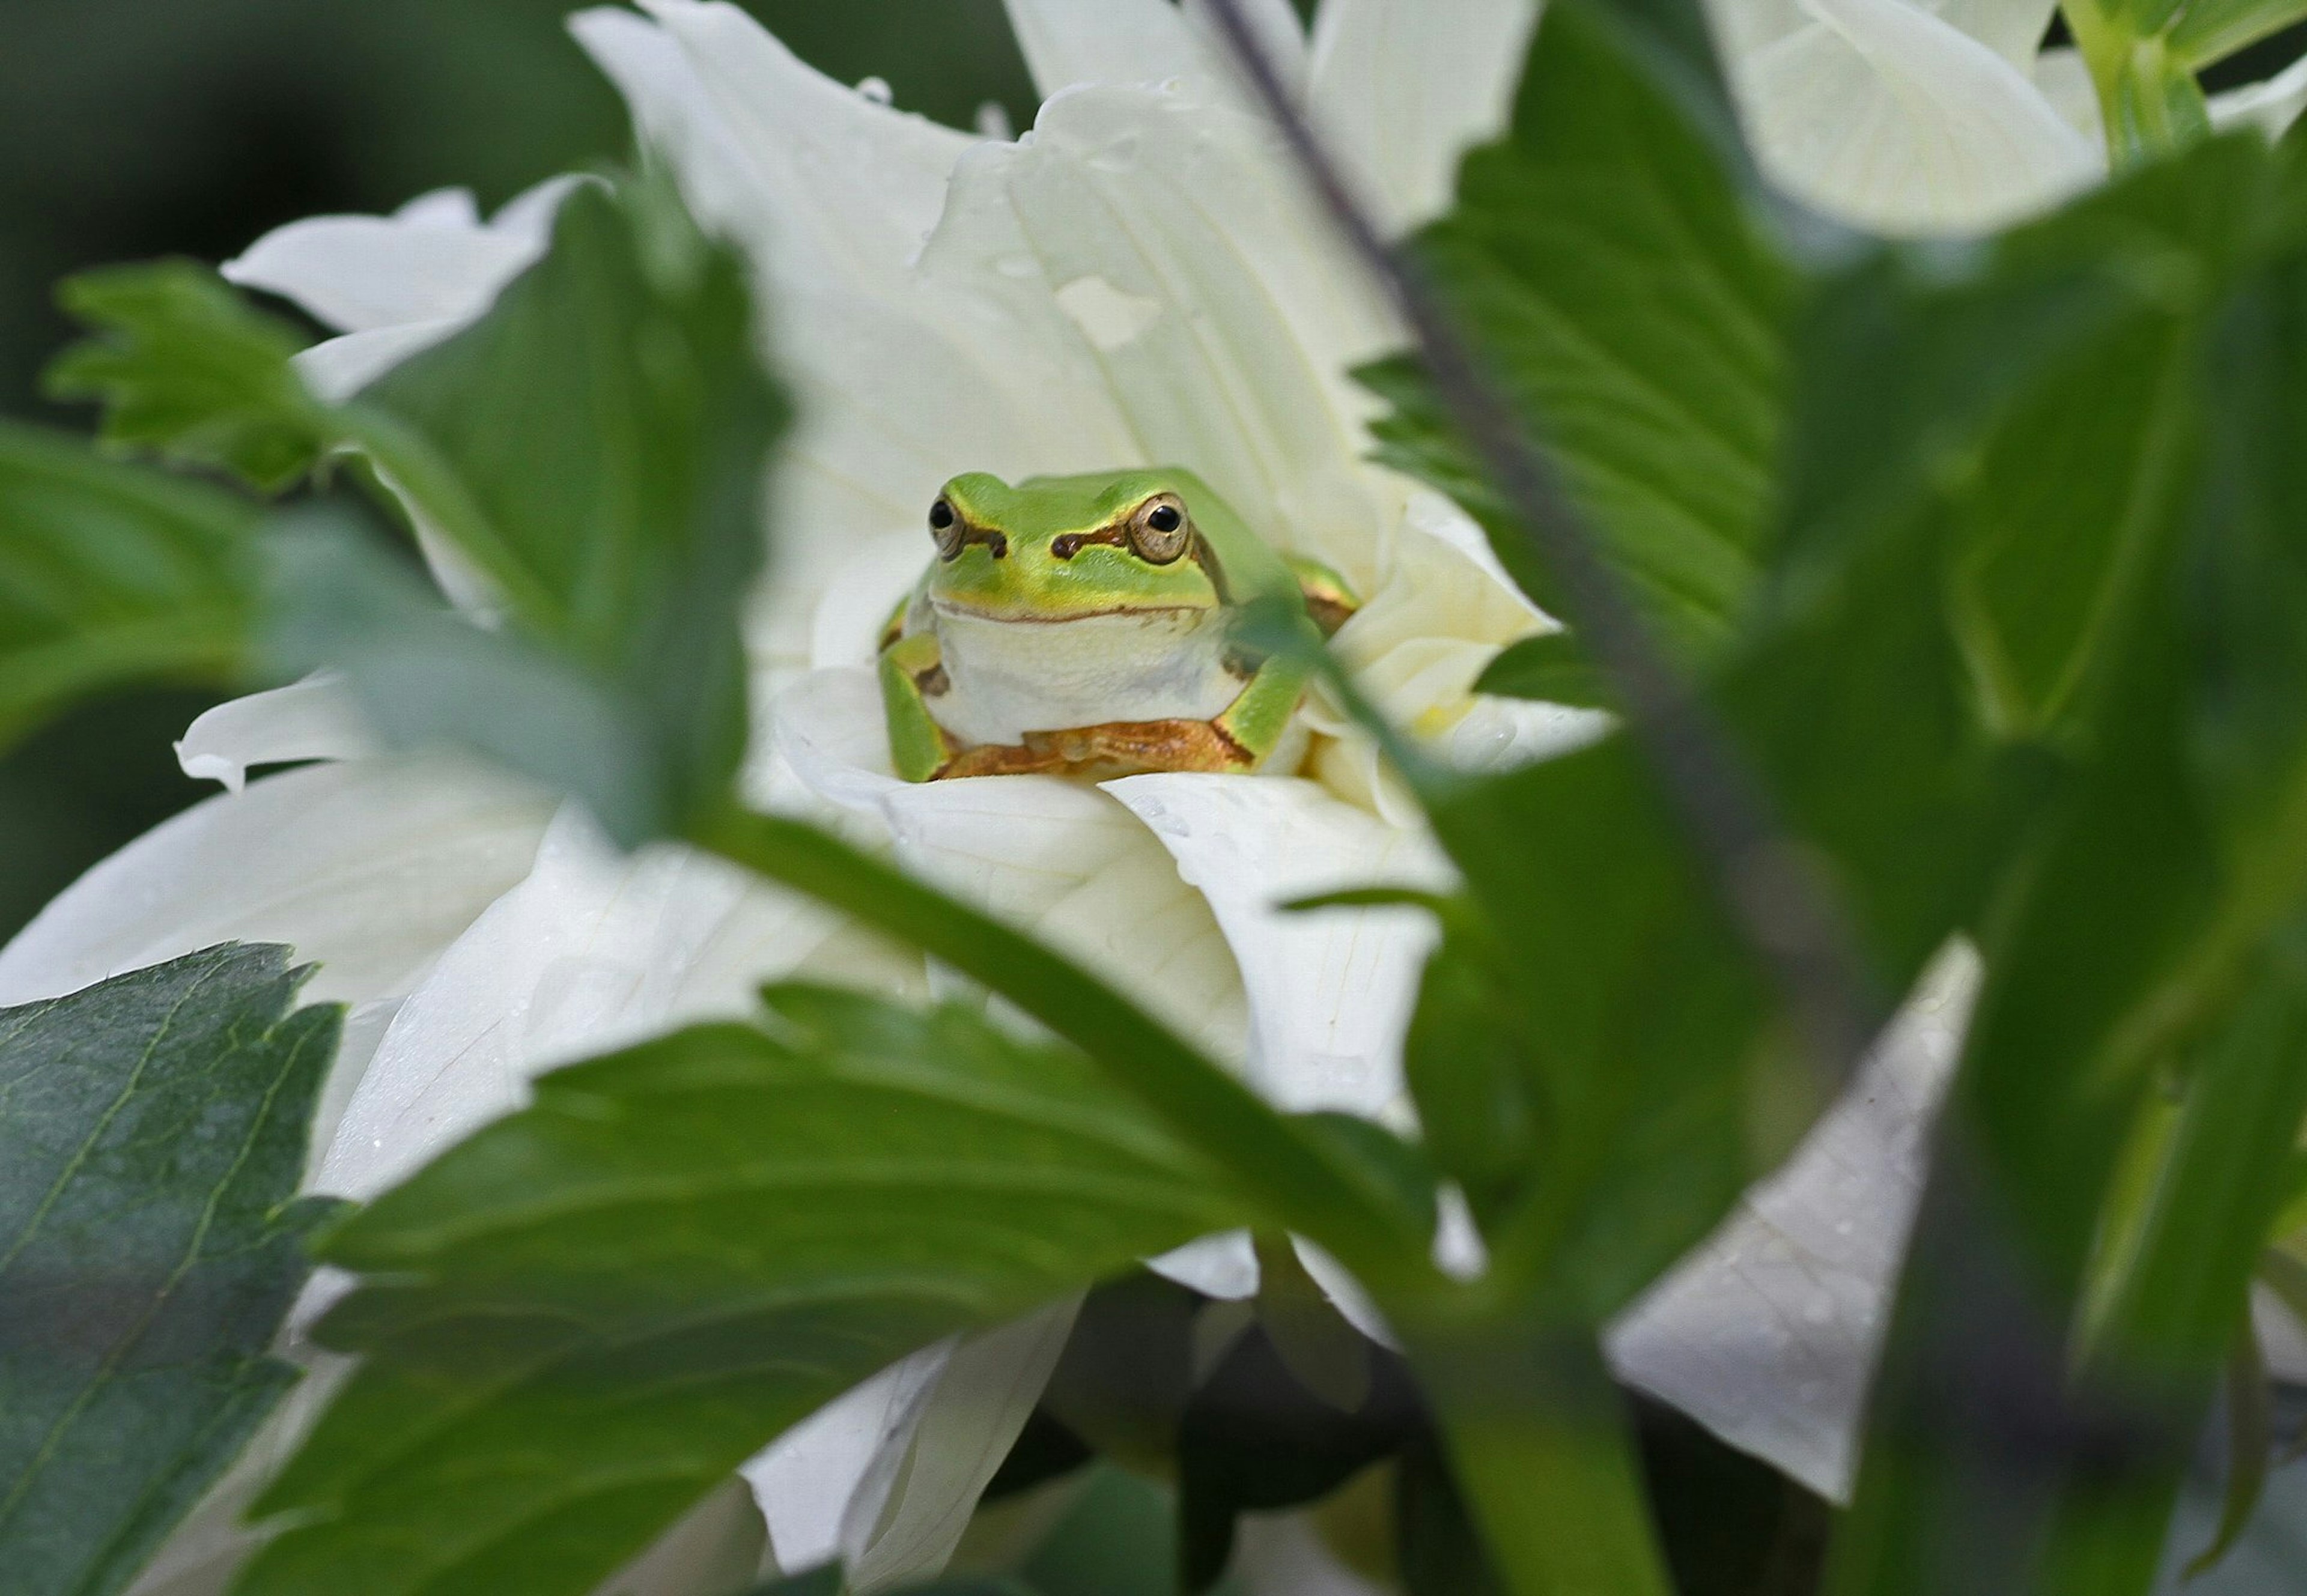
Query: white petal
x=1224, y=1266
x=1880, y=112
x=1329, y=992
x=2271, y=106
x=360, y=273
x=1248, y=315
x=831, y=730
x=313, y=720
x=846, y=182
x=2012, y=29
x=1403, y=88
x=983, y=1396
x=1769, y=1333
x=1068, y=42
x=591, y=951
x=370, y=868
x=806, y=1479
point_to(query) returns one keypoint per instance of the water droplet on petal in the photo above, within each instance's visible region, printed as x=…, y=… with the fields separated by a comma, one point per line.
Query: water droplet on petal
x=876, y=90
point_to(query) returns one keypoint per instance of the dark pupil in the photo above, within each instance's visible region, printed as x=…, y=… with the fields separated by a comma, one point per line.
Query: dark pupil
x=1164, y=518
x=940, y=515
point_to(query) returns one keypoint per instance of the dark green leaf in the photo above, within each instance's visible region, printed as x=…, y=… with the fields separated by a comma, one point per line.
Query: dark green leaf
x=583, y=1317
x=111, y=573
x=1604, y=256
x=188, y=370
x=152, y=1134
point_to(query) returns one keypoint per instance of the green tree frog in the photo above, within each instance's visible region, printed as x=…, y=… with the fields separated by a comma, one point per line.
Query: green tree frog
x=1091, y=626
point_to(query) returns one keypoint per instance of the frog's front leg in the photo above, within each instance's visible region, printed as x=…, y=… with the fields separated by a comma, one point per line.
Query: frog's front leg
x=913, y=671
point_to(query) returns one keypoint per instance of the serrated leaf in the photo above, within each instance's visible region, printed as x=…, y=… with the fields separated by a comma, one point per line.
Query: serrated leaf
x=111, y=573
x=152, y=1134
x=1603, y=256
x=583, y=1317
x=187, y=369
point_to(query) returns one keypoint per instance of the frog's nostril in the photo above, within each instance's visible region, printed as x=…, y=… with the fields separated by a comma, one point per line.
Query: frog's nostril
x=1065, y=546
x=997, y=545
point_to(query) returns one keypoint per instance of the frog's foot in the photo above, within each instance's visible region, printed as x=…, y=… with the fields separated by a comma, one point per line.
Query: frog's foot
x=1131, y=746
x=1002, y=759
x=1116, y=748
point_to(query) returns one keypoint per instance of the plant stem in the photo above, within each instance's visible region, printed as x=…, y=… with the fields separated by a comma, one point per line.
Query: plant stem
x=1539, y=1440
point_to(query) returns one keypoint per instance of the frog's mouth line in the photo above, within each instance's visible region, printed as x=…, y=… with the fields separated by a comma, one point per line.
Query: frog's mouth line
x=946, y=606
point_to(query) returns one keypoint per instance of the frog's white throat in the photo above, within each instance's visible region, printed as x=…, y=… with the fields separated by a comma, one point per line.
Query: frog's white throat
x=1005, y=678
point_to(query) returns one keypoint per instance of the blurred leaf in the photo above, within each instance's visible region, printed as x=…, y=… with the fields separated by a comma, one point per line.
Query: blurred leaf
x=1118, y=1539
x=150, y=1241
x=581, y=1319
x=1438, y=1548
x=338, y=600
x=594, y=448
x=1127, y=1369
x=187, y=369
x=111, y=573
x=2152, y=926
x=1468, y=1062
x=2209, y=30
x=1603, y=256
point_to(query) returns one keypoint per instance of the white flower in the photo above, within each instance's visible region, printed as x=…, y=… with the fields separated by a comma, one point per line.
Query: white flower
x=1140, y=281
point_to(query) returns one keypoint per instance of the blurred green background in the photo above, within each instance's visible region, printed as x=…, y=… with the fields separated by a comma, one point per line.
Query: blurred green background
x=136, y=128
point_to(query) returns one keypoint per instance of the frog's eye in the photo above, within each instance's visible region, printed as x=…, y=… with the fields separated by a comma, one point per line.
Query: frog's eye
x=1160, y=530
x=947, y=529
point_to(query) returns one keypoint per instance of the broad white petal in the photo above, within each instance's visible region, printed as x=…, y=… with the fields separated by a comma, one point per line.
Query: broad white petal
x=2271, y=106
x=1403, y=88
x=1070, y=42
x=2012, y=29
x=360, y=273
x=316, y=718
x=983, y=1396
x=1330, y=992
x=1768, y=1333
x=369, y=867
x=593, y=951
x=806, y=1479
x=1221, y=312
x=843, y=180
x=1880, y=112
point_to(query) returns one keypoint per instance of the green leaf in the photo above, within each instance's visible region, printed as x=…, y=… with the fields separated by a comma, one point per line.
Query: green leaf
x=111, y=573
x=583, y=1318
x=2250, y=1440
x=1604, y=257
x=152, y=1134
x=2210, y=31
x=594, y=447
x=2150, y=930
x=187, y=369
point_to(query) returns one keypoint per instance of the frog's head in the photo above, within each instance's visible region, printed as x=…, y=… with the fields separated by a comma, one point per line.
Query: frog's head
x=1064, y=548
